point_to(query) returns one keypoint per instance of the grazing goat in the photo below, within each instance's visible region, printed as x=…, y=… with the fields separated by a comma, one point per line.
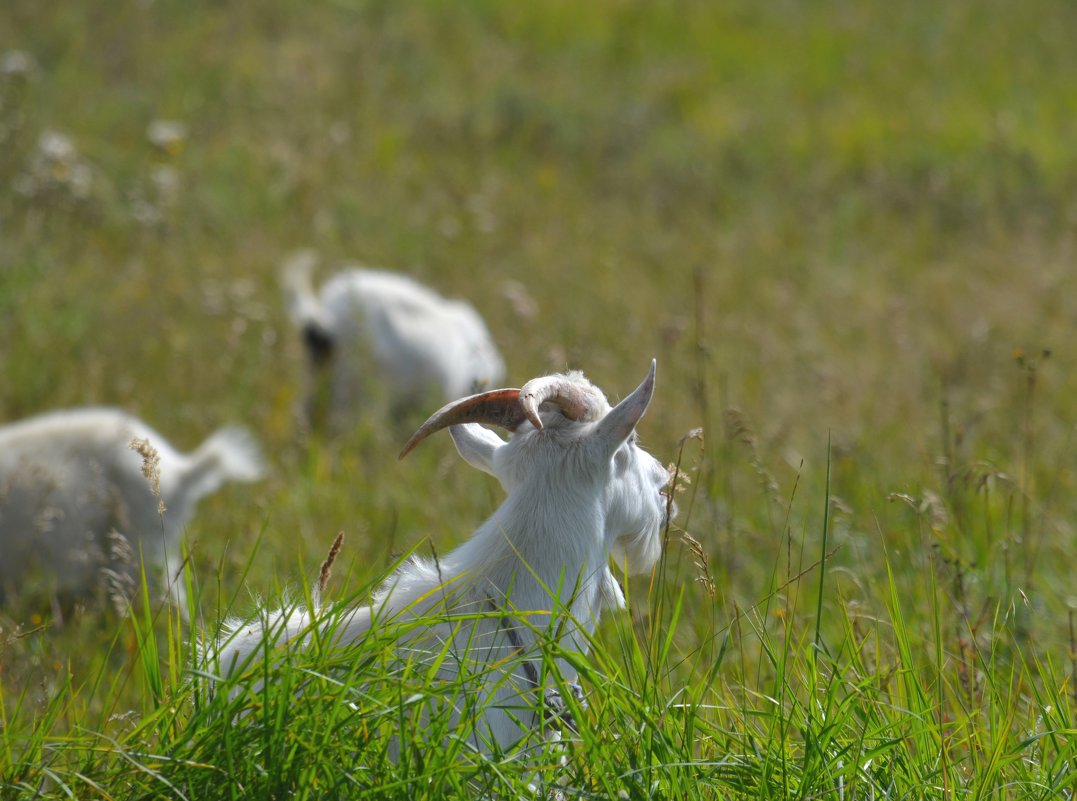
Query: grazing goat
x=579, y=488
x=372, y=333
x=85, y=492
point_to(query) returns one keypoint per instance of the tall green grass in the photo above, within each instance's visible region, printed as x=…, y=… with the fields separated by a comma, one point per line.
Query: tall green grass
x=762, y=706
x=844, y=231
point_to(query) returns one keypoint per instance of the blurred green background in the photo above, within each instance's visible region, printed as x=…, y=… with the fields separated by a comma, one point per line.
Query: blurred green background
x=831, y=222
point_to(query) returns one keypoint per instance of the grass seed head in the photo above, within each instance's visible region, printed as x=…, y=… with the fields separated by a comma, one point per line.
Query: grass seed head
x=151, y=468
x=695, y=547
x=118, y=574
x=327, y=565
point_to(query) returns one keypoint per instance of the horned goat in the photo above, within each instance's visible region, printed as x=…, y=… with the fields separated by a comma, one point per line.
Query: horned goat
x=85, y=492
x=580, y=490
x=378, y=334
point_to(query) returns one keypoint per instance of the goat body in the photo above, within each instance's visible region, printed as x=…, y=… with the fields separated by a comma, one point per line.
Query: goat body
x=579, y=490
x=383, y=333
x=70, y=482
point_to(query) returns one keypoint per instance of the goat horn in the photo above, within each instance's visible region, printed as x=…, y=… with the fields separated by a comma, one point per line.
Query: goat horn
x=508, y=408
x=499, y=407
x=571, y=398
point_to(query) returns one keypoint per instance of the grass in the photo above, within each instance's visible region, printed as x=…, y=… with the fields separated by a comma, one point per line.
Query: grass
x=845, y=231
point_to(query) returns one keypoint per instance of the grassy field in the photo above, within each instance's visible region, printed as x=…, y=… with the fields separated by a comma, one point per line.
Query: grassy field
x=846, y=232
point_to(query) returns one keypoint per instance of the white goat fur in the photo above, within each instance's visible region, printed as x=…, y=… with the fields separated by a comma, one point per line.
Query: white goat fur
x=385, y=333
x=577, y=493
x=69, y=478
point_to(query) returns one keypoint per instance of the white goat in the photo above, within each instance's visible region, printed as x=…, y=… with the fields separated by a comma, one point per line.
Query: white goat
x=377, y=332
x=580, y=490
x=71, y=483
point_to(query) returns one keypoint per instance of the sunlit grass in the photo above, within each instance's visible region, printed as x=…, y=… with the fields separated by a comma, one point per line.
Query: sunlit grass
x=882, y=710
x=845, y=231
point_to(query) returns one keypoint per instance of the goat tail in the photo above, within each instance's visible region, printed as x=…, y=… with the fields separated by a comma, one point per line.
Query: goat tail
x=242, y=644
x=296, y=281
x=230, y=454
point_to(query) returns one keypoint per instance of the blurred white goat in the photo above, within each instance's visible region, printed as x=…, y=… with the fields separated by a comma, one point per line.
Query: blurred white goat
x=385, y=334
x=580, y=490
x=79, y=502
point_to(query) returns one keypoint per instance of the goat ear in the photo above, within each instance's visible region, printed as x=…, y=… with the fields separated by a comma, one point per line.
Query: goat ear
x=615, y=427
x=477, y=445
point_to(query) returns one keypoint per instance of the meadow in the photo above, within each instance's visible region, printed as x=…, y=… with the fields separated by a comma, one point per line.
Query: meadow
x=848, y=234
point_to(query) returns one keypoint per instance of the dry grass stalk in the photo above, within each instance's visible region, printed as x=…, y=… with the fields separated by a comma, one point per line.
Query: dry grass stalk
x=677, y=480
x=119, y=576
x=151, y=468
x=327, y=565
x=739, y=428
x=1073, y=659
x=695, y=547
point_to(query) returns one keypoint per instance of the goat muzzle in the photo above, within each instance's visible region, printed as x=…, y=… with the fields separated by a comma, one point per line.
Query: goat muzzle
x=572, y=398
x=508, y=408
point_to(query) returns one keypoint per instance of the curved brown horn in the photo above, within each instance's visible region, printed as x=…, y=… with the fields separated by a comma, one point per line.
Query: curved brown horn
x=499, y=407
x=573, y=399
